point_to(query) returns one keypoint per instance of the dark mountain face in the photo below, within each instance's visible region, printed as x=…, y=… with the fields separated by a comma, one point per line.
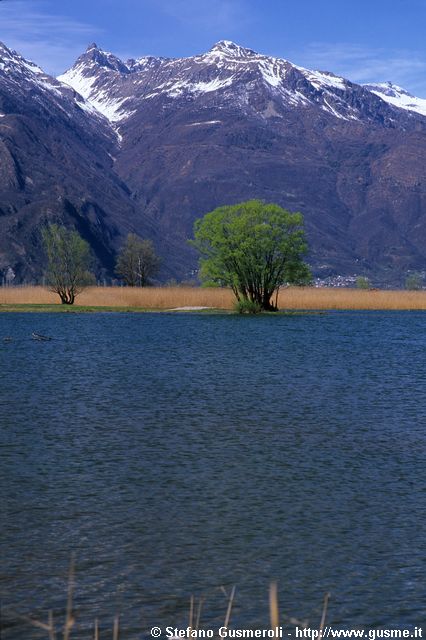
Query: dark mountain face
x=151, y=144
x=56, y=164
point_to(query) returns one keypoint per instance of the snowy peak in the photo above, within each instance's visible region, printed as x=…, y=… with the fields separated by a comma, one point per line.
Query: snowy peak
x=398, y=97
x=95, y=76
x=23, y=75
x=229, y=49
x=96, y=57
x=11, y=61
x=25, y=88
x=388, y=89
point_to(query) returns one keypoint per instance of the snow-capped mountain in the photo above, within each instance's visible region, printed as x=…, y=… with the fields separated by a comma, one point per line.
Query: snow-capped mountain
x=117, y=88
x=150, y=144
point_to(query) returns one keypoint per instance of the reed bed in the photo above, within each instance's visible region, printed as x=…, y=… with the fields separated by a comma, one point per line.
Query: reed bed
x=292, y=298
x=310, y=298
x=136, y=297
x=27, y=295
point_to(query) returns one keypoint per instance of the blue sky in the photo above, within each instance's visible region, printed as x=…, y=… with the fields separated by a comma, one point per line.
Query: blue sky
x=365, y=41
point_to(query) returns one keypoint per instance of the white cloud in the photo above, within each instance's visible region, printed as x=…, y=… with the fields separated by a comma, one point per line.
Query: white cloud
x=363, y=64
x=52, y=41
x=214, y=14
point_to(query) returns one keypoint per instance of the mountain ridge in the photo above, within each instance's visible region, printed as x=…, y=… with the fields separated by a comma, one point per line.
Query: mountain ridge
x=227, y=51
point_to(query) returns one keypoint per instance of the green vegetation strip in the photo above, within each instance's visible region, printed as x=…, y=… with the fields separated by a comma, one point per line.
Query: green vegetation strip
x=59, y=308
x=63, y=308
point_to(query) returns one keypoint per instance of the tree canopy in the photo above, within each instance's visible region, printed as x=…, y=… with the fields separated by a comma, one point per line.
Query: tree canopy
x=252, y=247
x=137, y=261
x=68, y=262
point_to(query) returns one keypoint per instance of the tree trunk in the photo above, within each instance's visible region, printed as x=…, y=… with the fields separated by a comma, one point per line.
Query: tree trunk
x=67, y=297
x=266, y=303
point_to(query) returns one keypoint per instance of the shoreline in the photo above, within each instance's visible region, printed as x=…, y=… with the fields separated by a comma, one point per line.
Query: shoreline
x=46, y=308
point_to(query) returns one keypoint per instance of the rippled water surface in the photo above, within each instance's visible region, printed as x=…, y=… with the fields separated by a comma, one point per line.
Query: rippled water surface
x=178, y=453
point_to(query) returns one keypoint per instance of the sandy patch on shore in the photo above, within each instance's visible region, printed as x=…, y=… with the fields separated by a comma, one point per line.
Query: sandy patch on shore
x=189, y=308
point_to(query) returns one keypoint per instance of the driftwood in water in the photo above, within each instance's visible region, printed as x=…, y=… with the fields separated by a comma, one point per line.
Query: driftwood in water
x=39, y=336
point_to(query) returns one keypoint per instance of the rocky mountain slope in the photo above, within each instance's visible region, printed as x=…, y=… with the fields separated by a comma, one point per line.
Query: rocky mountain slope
x=56, y=164
x=151, y=144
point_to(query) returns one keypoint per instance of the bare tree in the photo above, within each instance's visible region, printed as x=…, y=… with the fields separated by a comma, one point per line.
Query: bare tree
x=137, y=261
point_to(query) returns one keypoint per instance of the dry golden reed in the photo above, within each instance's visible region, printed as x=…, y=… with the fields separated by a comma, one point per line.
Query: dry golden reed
x=292, y=298
x=275, y=617
x=145, y=298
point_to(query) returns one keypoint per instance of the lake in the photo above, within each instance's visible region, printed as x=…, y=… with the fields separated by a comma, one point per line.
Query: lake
x=176, y=454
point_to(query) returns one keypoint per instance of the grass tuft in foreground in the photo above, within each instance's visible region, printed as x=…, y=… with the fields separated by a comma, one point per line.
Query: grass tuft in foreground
x=57, y=631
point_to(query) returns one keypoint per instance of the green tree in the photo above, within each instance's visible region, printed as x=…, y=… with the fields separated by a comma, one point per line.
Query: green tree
x=68, y=262
x=252, y=247
x=362, y=282
x=414, y=282
x=137, y=261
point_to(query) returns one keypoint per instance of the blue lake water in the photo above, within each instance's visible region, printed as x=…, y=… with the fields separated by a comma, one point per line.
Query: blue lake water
x=175, y=454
